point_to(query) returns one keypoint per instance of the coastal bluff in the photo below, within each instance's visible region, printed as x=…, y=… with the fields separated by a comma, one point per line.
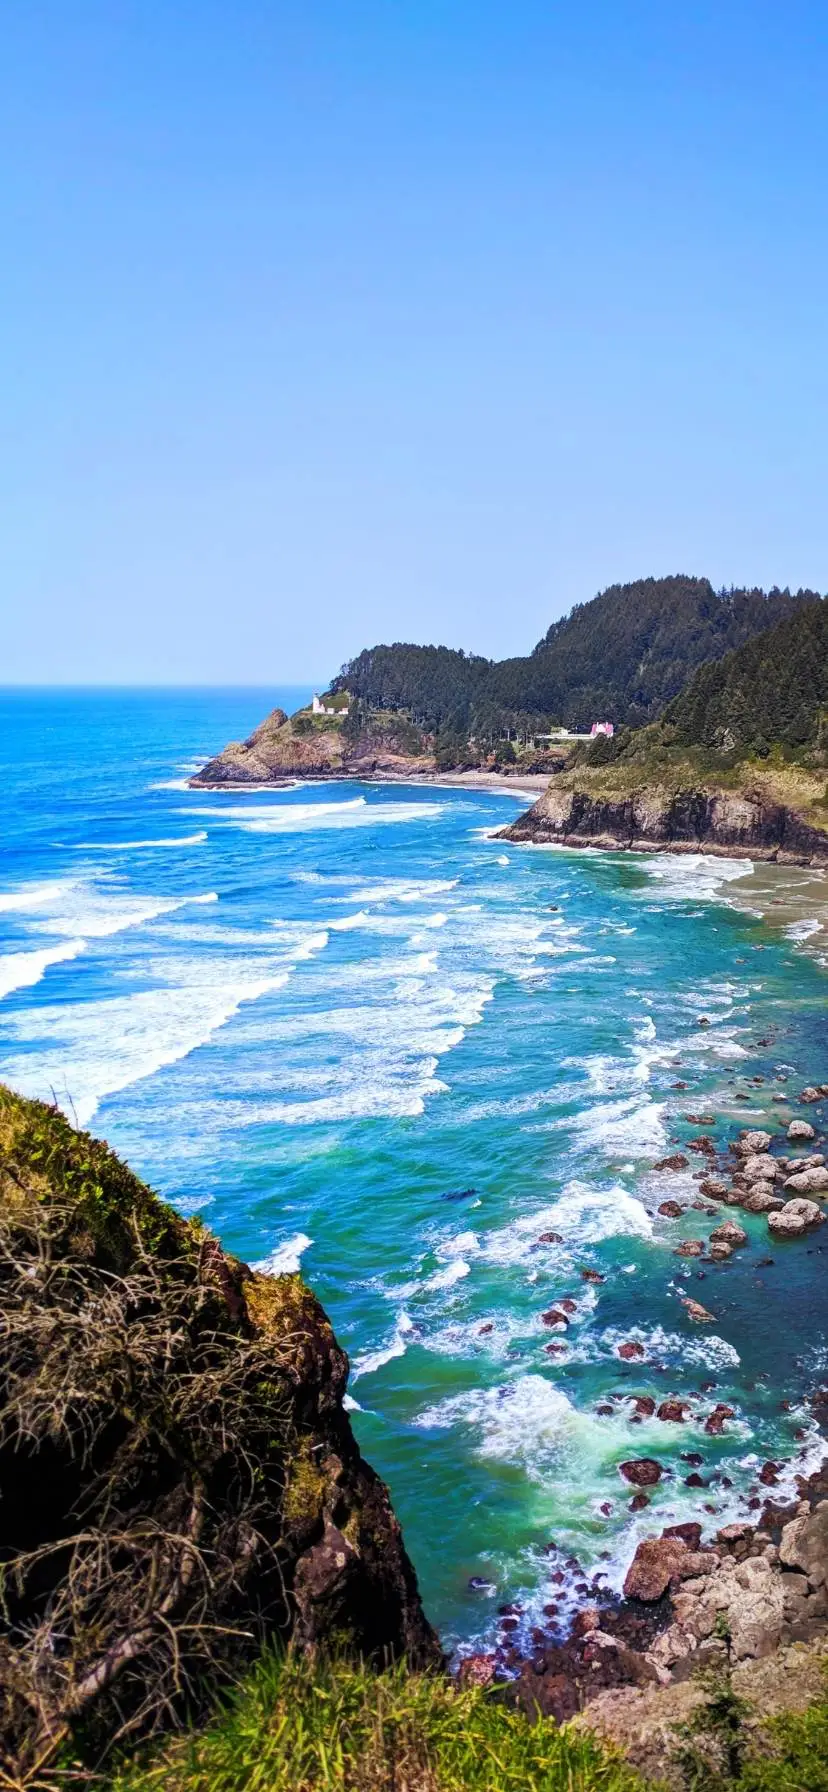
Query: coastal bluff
x=303, y=746
x=653, y=818
x=179, y=1480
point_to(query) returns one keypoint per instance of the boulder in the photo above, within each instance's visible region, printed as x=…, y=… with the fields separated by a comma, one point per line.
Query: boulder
x=801, y=1129
x=808, y=1182
x=690, y=1247
x=677, y=1162
x=689, y=1532
x=477, y=1670
x=795, y=1217
x=660, y=1560
x=554, y=1317
x=729, y=1233
x=759, y=1199
x=804, y=1545
x=644, y=1405
x=810, y=1094
x=631, y=1350
x=760, y=1168
x=713, y=1188
x=673, y=1411
x=641, y=1471
x=550, y=1238
x=714, y=1423
x=696, y=1311
x=751, y=1143
x=719, y=1253
x=672, y=1210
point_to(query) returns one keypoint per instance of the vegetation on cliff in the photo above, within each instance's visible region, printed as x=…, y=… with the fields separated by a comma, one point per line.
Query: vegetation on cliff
x=623, y=655
x=179, y=1481
x=773, y=689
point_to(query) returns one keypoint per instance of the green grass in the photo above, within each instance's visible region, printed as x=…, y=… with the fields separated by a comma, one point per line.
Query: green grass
x=296, y=1726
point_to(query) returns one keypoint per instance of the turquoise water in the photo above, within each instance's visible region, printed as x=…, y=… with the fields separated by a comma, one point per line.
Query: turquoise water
x=351, y=1029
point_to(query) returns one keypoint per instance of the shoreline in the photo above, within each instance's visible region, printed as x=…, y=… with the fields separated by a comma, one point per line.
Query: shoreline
x=500, y=783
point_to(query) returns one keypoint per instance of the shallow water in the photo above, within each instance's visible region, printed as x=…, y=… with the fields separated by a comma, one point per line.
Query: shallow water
x=353, y=1030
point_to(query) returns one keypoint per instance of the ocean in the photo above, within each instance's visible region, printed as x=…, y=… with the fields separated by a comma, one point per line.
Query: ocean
x=353, y=1031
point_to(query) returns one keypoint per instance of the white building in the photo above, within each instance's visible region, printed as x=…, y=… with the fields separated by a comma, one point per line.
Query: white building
x=318, y=708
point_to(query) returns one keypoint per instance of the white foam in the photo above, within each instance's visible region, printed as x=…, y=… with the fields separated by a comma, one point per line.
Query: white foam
x=297, y=818
x=369, y=1361
x=528, y=1422
x=77, y=906
x=630, y=1127
x=803, y=930
x=584, y=1214
x=694, y=877
x=448, y=1276
x=139, y=845
x=20, y=970
x=285, y=1258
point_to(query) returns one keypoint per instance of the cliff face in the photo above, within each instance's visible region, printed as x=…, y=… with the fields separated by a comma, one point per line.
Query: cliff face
x=654, y=820
x=178, y=1477
x=280, y=749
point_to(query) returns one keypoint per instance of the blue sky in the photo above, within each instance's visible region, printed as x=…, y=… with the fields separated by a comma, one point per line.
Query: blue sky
x=394, y=319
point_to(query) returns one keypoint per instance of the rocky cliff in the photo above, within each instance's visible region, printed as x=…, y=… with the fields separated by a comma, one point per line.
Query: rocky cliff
x=298, y=747
x=178, y=1477
x=656, y=819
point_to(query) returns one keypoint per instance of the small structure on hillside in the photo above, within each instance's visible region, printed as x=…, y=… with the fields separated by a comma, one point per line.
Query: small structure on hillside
x=339, y=707
x=607, y=728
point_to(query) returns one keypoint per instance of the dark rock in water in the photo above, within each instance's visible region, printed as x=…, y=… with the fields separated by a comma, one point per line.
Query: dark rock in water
x=715, y=1422
x=631, y=1350
x=673, y=1411
x=644, y=1405
x=704, y=1144
x=458, y=1194
x=592, y=1275
x=769, y=1473
x=554, y=1316
x=677, y=1162
x=642, y=1471
x=694, y=1480
x=690, y=1247
x=484, y=1330
x=689, y=1533
x=729, y=1233
x=567, y=1305
x=638, y=1502
x=672, y=1210
x=555, y=1349
x=550, y=1238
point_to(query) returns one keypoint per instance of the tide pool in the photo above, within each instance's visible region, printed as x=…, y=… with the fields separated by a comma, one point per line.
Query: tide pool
x=354, y=1031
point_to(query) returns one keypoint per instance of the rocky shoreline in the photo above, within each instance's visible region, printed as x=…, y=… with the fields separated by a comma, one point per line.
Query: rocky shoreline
x=731, y=824
x=757, y=1584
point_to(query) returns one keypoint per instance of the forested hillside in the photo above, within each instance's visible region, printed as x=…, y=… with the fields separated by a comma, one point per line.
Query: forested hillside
x=621, y=657
x=774, y=688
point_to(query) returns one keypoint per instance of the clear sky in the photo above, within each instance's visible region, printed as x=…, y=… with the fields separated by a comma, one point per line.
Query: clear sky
x=332, y=321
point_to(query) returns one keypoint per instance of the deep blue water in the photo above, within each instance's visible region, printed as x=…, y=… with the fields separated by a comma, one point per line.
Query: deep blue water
x=349, y=1028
